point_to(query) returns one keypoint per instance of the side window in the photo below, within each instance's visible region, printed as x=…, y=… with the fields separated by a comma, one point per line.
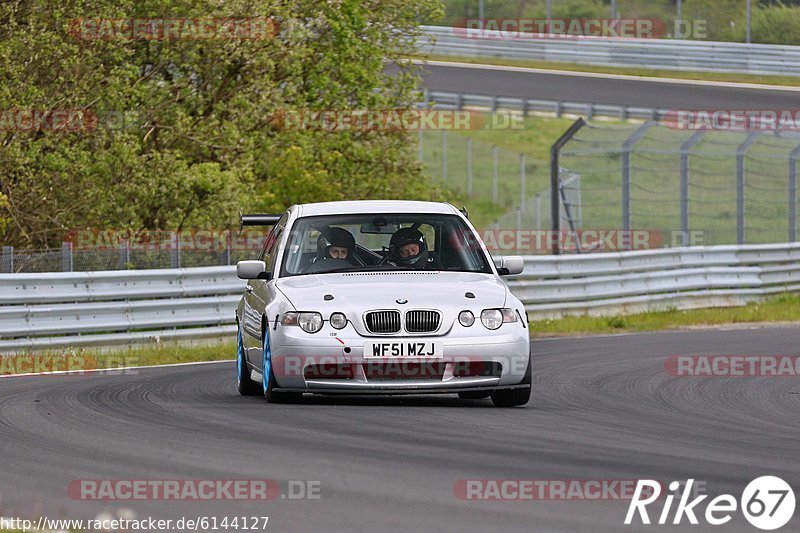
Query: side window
x=268, y=254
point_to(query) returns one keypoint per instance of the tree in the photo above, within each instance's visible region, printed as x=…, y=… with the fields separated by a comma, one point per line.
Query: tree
x=180, y=132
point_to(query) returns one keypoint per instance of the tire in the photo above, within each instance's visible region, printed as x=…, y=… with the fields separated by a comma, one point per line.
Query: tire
x=477, y=395
x=515, y=397
x=245, y=385
x=269, y=384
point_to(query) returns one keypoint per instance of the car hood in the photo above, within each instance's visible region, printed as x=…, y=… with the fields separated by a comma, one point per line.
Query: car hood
x=360, y=291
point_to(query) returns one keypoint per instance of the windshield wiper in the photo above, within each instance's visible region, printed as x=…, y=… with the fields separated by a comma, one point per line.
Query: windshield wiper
x=354, y=268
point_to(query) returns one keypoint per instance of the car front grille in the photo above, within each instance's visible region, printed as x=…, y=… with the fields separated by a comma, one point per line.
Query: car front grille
x=422, y=321
x=383, y=321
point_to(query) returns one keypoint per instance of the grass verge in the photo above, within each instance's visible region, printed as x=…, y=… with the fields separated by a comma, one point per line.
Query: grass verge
x=790, y=81
x=784, y=308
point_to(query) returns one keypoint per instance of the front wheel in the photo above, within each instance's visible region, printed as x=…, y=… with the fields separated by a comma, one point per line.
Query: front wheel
x=515, y=397
x=269, y=382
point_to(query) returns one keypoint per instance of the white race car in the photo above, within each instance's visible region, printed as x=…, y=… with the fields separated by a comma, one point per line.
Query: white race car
x=379, y=297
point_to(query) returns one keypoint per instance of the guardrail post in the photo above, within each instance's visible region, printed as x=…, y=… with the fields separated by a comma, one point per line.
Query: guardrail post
x=627, y=149
x=459, y=101
x=525, y=108
x=228, y=251
x=494, y=173
x=741, y=151
x=685, y=152
x=793, y=157
x=444, y=155
x=494, y=104
x=558, y=110
x=66, y=257
x=469, y=167
x=590, y=111
x=555, y=168
x=8, y=260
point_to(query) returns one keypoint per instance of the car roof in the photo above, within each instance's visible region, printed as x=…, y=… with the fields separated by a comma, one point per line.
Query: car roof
x=356, y=207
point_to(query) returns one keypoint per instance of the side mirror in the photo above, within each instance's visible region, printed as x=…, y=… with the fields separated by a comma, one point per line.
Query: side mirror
x=252, y=270
x=511, y=265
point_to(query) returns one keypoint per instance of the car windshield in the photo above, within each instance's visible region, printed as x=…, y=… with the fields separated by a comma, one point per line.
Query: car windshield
x=358, y=243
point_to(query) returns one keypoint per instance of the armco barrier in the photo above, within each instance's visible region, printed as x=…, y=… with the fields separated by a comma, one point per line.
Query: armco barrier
x=662, y=54
x=121, y=307
x=116, y=307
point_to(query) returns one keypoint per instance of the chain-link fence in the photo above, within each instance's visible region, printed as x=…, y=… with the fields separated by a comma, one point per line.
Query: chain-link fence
x=707, y=187
x=496, y=181
x=169, y=253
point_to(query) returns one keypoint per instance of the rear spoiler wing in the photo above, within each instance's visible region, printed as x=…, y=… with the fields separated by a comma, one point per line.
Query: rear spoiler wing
x=258, y=220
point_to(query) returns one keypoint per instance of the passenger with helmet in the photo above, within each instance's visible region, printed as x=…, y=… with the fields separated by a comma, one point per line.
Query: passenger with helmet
x=407, y=247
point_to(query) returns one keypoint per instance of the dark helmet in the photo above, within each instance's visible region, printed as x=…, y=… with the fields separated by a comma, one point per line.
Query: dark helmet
x=340, y=238
x=405, y=236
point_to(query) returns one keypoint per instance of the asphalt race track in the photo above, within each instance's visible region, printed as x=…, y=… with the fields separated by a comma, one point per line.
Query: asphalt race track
x=574, y=87
x=602, y=409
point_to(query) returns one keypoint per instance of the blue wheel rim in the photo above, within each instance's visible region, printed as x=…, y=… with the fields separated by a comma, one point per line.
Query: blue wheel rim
x=239, y=356
x=266, y=362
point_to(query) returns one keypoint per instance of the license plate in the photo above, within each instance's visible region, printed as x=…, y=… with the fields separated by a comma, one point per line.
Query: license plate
x=403, y=350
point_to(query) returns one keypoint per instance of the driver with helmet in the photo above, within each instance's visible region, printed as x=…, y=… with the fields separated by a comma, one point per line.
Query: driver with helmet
x=407, y=247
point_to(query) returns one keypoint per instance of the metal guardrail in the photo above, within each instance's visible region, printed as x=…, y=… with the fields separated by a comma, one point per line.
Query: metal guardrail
x=662, y=54
x=116, y=307
x=123, y=307
x=526, y=106
x=639, y=281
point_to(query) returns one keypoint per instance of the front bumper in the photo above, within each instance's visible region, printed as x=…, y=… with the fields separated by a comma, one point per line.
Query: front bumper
x=386, y=391
x=478, y=363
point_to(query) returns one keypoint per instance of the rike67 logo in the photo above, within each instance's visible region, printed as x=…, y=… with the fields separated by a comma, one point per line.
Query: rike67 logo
x=767, y=502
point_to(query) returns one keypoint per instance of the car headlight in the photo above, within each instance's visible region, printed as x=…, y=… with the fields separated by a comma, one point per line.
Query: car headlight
x=494, y=318
x=338, y=320
x=310, y=322
x=466, y=318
